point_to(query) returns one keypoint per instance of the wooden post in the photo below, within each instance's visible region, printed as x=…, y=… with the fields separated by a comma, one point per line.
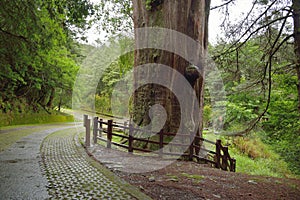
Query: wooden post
x=88, y=133
x=130, y=139
x=225, y=158
x=109, y=133
x=232, y=165
x=85, y=117
x=161, y=143
x=218, y=154
x=95, y=130
x=191, y=151
x=101, y=127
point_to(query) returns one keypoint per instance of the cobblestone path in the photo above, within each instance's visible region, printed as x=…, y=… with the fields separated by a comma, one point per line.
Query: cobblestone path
x=20, y=173
x=70, y=174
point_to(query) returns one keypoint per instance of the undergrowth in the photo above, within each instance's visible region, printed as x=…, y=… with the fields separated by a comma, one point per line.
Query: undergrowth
x=9, y=119
x=257, y=158
x=254, y=157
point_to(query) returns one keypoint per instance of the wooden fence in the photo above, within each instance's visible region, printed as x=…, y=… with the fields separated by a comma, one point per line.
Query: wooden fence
x=106, y=131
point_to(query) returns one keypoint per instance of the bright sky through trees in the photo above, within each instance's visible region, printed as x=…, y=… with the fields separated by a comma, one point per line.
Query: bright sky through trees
x=216, y=18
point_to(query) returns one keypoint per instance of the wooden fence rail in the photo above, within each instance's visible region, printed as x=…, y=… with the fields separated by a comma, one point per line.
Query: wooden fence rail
x=219, y=158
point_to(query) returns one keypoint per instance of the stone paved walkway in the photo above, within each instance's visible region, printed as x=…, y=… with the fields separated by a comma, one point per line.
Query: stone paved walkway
x=51, y=164
x=70, y=174
x=20, y=173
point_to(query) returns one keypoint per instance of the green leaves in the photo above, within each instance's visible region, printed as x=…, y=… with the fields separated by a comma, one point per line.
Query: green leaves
x=35, y=49
x=115, y=16
x=250, y=72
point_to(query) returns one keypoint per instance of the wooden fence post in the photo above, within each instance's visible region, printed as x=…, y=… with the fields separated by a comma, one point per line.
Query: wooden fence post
x=218, y=154
x=130, y=139
x=109, y=133
x=88, y=132
x=101, y=127
x=85, y=117
x=161, y=142
x=95, y=130
x=225, y=158
x=232, y=165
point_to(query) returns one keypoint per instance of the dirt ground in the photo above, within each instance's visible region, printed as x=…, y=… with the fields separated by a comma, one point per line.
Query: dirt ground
x=188, y=180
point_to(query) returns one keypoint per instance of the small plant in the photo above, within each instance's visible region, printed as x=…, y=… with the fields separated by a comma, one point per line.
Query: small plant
x=148, y=4
x=194, y=177
x=172, y=177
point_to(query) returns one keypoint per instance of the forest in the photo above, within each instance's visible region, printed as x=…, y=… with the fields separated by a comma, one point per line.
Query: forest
x=258, y=57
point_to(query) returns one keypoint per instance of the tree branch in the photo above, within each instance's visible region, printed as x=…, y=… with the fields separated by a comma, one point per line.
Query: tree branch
x=224, y=4
x=231, y=49
x=272, y=52
x=14, y=35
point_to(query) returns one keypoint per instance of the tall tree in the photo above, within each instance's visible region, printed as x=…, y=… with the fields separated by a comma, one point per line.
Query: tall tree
x=189, y=17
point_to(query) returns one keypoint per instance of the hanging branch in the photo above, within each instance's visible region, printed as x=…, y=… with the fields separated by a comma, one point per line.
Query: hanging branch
x=231, y=49
x=245, y=18
x=268, y=66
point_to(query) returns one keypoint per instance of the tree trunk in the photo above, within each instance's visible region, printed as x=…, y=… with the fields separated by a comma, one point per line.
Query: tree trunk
x=296, y=18
x=51, y=98
x=189, y=17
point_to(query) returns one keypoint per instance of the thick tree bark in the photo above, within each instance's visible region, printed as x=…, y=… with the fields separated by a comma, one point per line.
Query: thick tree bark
x=189, y=17
x=296, y=18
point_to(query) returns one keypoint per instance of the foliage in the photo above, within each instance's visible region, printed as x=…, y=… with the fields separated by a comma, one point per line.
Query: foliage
x=36, y=55
x=282, y=125
x=115, y=16
x=116, y=72
x=248, y=87
x=257, y=61
x=253, y=155
x=273, y=166
x=260, y=76
x=252, y=147
x=103, y=104
x=207, y=112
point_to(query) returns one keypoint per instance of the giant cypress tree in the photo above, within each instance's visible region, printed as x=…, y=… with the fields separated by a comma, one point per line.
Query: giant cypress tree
x=189, y=17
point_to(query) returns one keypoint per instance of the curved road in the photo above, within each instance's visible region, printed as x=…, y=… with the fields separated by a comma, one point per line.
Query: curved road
x=50, y=164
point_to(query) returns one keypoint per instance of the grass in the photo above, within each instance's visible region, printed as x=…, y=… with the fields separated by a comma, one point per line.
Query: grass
x=18, y=123
x=195, y=177
x=272, y=166
x=9, y=119
x=172, y=177
x=16, y=133
x=254, y=157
